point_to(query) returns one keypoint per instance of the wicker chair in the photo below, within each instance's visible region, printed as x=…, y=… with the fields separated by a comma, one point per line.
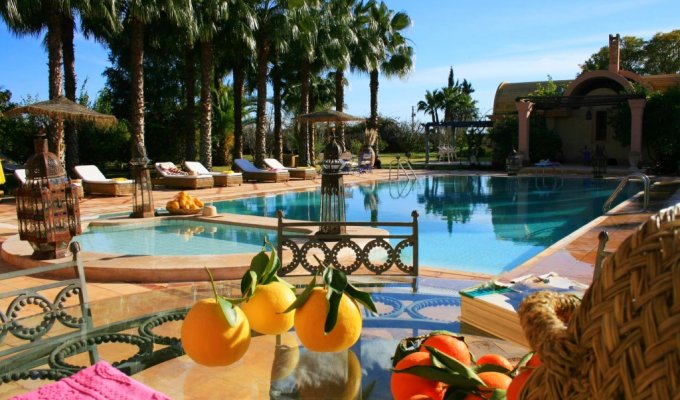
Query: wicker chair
x=623, y=340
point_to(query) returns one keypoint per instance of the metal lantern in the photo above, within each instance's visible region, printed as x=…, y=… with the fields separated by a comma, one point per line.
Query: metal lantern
x=332, y=189
x=142, y=192
x=513, y=163
x=599, y=163
x=47, y=205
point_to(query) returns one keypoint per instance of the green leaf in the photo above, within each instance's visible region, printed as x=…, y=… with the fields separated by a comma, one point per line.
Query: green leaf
x=491, y=368
x=338, y=281
x=259, y=263
x=273, y=266
x=362, y=297
x=442, y=360
x=228, y=311
x=438, y=374
x=498, y=394
x=302, y=298
x=327, y=274
x=333, y=304
x=248, y=284
x=523, y=362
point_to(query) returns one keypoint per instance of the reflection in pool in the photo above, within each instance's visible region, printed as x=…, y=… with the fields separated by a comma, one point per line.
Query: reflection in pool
x=471, y=223
x=174, y=237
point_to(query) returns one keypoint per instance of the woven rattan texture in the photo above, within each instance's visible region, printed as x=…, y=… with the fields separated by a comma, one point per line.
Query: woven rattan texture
x=623, y=341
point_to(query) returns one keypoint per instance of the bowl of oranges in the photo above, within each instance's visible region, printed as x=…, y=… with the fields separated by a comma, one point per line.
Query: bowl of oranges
x=184, y=204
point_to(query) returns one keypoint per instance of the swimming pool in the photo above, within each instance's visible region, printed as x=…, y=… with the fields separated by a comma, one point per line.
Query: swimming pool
x=174, y=237
x=472, y=223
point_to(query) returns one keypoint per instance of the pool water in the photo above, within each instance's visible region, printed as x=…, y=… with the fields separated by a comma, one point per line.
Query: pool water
x=174, y=237
x=471, y=223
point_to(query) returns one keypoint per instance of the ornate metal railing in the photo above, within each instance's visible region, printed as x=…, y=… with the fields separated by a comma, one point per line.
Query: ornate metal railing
x=373, y=252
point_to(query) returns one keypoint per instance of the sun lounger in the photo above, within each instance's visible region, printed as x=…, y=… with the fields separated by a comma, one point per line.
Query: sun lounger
x=297, y=173
x=169, y=175
x=220, y=178
x=547, y=163
x=252, y=173
x=94, y=182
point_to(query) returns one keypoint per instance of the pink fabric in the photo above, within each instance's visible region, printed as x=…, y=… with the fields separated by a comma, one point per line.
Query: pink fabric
x=100, y=381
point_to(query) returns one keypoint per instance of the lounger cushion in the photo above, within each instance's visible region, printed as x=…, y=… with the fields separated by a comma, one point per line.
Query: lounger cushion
x=169, y=169
x=195, y=166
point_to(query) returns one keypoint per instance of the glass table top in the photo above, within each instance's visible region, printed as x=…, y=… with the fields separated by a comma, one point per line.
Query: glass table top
x=139, y=334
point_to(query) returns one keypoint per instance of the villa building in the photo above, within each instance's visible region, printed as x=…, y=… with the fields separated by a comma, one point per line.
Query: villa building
x=580, y=115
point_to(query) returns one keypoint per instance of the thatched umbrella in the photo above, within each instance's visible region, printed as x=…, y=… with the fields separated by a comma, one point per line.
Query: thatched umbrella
x=328, y=116
x=64, y=109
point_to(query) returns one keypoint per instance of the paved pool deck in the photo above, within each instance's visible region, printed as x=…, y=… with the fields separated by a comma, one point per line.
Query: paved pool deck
x=573, y=256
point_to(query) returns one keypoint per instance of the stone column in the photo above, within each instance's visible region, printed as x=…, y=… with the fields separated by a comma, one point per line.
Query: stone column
x=523, y=112
x=637, y=108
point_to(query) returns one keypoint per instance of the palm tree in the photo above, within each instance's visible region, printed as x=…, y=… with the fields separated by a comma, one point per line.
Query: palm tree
x=208, y=15
x=431, y=104
x=336, y=37
x=223, y=122
x=237, y=47
x=32, y=18
x=136, y=15
x=393, y=55
x=306, y=19
x=272, y=17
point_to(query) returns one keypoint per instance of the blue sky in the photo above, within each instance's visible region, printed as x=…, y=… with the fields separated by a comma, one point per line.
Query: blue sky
x=486, y=42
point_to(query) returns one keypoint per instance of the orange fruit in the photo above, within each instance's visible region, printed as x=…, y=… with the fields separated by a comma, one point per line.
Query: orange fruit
x=310, y=318
x=404, y=385
x=265, y=309
x=495, y=359
x=450, y=346
x=517, y=384
x=328, y=375
x=493, y=380
x=209, y=340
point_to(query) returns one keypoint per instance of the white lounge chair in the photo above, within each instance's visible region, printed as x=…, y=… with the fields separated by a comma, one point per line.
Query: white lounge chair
x=297, y=173
x=252, y=173
x=220, y=178
x=94, y=182
x=170, y=176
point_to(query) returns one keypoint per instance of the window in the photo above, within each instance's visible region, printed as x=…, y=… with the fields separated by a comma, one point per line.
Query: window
x=601, y=125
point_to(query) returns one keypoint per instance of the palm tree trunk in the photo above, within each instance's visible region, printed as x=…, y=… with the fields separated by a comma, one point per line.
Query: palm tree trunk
x=137, y=89
x=239, y=79
x=278, y=135
x=190, y=98
x=305, y=151
x=71, y=134
x=55, y=59
x=261, y=116
x=373, y=121
x=312, y=131
x=206, y=102
x=339, y=105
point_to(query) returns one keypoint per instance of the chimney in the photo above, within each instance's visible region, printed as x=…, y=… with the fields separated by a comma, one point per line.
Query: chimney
x=614, y=53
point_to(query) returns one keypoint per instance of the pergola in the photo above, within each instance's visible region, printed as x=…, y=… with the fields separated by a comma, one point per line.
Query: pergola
x=450, y=124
